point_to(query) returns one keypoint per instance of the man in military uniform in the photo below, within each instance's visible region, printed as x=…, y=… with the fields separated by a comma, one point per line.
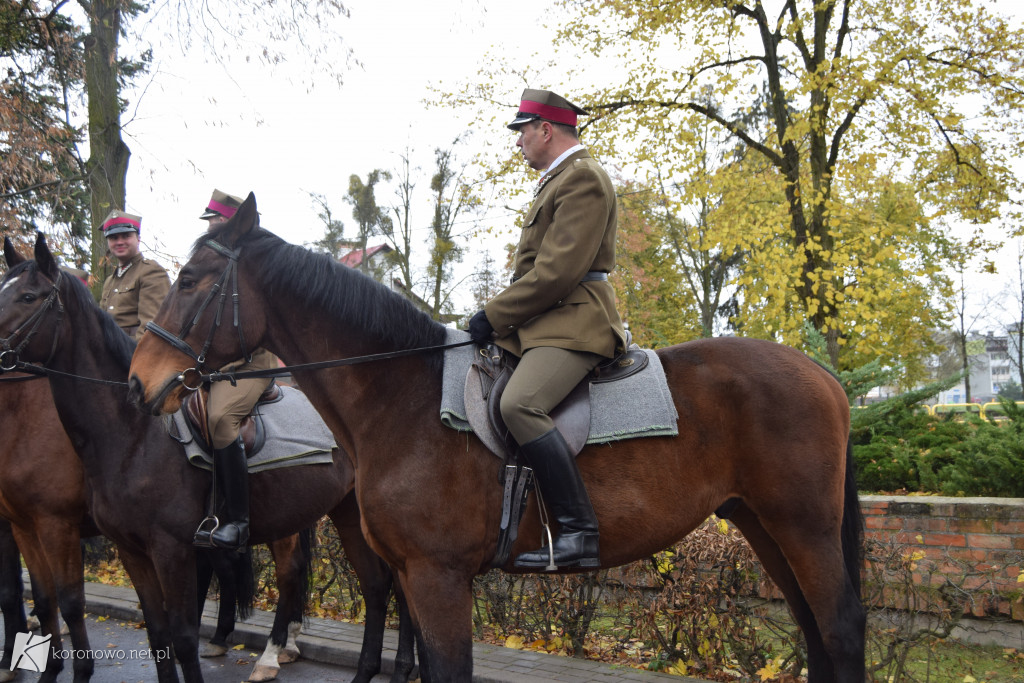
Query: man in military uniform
x=558, y=314
x=132, y=294
x=228, y=406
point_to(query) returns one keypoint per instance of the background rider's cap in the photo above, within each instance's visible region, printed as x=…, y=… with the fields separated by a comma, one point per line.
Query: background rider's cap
x=221, y=204
x=117, y=222
x=544, y=104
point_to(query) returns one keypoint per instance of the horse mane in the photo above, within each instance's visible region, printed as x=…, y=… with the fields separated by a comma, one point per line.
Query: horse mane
x=341, y=293
x=116, y=344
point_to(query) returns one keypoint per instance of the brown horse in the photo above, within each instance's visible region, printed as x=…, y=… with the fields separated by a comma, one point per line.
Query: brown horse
x=141, y=491
x=42, y=490
x=42, y=495
x=760, y=424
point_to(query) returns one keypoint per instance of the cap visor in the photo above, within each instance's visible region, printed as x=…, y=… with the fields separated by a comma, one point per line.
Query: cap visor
x=520, y=120
x=118, y=229
x=209, y=213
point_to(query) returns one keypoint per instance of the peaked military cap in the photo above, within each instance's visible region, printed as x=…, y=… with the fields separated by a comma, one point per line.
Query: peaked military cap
x=221, y=204
x=544, y=104
x=117, y=222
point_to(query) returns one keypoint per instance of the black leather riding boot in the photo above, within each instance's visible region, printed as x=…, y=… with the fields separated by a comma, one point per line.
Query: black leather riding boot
x=233, y=477
x=554, y=466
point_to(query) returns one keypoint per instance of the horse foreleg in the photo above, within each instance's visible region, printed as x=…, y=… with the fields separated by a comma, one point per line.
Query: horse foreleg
x=147, y=586
x=375, y=582
x=441, y=605
x=44, y=593
x=62, y=546
x=405, y=658
x=175, y=570
x=12, y=592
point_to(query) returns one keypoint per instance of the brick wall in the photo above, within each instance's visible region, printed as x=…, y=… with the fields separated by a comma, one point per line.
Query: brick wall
x=984, y=533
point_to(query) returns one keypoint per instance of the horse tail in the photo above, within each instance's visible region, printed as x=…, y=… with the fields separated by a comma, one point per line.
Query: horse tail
x=307, y=542
x=245, y=582
x=852, y=530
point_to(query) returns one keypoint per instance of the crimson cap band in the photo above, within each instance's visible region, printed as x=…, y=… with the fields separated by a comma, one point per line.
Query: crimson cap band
x=117, y=222
x=544, y=104
x=221, y=204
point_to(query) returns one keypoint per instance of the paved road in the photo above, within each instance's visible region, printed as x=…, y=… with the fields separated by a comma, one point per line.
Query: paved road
x=330, y=651
x=123, y=657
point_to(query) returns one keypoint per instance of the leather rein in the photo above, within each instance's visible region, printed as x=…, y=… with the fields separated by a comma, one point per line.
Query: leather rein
x=194, y=378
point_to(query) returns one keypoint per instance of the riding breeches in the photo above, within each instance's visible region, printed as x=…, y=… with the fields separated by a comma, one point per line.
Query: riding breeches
x=545, y=375
x=229, y=405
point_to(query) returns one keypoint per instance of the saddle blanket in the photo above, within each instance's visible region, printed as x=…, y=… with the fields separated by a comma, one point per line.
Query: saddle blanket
x=296, y=435
x=639, y=405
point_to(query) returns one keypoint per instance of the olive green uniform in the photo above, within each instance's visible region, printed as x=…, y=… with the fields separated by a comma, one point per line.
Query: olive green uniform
x=132, y=294
x=568, y=232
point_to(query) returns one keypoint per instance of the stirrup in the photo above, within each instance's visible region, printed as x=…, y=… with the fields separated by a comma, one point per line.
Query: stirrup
x=203, y=536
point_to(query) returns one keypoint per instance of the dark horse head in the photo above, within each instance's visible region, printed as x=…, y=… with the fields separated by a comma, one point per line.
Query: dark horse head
x=195, y=329
x=30, y=291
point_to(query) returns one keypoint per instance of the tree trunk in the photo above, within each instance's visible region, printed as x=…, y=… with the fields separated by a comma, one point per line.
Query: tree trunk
x=107, y=167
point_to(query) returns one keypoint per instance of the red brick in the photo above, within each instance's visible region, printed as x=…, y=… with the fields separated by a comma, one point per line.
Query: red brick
x=975, y=526
x=989, y=541
x=1009, y=526
x=884, y=523
x=949, y=540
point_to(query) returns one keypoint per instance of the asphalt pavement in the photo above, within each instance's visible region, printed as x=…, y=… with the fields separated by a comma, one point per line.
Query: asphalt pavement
x=330, y=650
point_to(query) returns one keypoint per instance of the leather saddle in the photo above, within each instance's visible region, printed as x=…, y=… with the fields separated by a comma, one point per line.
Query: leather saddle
x=493, y=368
x=252, y=430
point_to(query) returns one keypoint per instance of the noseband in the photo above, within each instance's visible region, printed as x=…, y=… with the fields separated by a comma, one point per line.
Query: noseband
x=191, y=379
x=9, y=357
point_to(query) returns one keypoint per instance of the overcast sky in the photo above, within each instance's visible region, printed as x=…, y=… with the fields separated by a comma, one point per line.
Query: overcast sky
x=196, y=124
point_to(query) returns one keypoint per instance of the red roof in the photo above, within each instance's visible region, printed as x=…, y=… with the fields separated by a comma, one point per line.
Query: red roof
x=354, y=258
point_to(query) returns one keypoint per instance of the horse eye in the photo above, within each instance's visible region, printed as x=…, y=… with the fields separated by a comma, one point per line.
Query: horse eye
x=28, y=298
x=186, y=283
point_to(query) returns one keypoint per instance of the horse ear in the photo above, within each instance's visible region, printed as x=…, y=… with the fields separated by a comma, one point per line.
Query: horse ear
x=245, y=220
x=11, y=254
x=44, y=259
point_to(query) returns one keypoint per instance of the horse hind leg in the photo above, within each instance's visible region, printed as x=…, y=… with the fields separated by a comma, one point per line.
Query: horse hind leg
x=292, y=557
x=813, y=578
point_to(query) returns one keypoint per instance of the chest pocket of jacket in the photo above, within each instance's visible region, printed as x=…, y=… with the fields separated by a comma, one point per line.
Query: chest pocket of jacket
x=531, y=218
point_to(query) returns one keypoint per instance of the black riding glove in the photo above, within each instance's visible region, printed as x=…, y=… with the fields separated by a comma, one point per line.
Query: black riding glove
x=480, y=329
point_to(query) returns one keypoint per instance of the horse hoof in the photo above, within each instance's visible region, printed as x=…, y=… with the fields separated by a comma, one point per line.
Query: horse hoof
x=287, y=656
x=32, y=623
x=262, y=672
x=8, y=675
x=211, y=650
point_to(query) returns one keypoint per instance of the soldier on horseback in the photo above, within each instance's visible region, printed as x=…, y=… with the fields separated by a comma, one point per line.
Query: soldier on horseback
x=558, y=314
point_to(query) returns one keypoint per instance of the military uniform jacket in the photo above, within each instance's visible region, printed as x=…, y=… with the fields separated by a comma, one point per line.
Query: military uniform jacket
x=568, y=232
x=134, y=296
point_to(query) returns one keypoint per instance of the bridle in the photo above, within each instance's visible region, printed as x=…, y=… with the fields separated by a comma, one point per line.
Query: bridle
x=10, y=356
x=192, y=378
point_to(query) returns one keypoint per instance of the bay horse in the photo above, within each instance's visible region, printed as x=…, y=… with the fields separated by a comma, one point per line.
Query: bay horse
x=42, y=490
x=42, y=496
x=761, y=425
x=141, y=491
